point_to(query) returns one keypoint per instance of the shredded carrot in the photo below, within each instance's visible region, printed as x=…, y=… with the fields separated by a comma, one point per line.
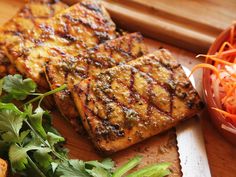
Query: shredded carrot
x=232, y=116
x=228, y=52
x=229, y=93
x=223, y=47
x=224, y=67
x=220, y=61
x=205, y=65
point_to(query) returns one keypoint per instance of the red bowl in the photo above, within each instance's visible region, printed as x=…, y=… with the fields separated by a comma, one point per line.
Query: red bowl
x=216, y=117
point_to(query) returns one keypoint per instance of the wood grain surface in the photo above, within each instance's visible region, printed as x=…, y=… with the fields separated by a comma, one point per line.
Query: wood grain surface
x=221, y=154
x=190, y=24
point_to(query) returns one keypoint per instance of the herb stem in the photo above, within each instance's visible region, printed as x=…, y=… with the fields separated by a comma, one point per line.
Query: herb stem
x=127, y=166
x=36, y=94
x=59, y=156
x=34, y=166
x=47, y=94
x=42, y=140
x=159, y=170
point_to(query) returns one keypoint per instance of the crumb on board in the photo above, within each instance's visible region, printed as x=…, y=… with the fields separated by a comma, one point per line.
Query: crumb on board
x=171, y=142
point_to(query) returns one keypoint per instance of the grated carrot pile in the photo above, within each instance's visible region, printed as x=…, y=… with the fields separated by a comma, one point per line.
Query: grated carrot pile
x=223, y=77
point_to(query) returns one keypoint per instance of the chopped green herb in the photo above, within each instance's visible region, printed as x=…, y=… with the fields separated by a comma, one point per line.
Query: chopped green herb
x=33, y=145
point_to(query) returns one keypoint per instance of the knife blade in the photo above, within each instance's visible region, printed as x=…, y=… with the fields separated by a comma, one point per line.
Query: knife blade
x=191, y=146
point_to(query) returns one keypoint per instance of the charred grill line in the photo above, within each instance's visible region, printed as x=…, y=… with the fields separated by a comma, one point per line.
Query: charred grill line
x=147, y=75
x=149, y=90
x=131, y=86
x=148, y=100
x=172, y=94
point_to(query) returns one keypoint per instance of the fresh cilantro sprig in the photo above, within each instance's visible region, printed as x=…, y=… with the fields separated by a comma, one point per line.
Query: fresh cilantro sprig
x=33, y=146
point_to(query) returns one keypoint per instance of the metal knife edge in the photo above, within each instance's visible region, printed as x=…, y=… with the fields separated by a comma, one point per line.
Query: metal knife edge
x=191, y=146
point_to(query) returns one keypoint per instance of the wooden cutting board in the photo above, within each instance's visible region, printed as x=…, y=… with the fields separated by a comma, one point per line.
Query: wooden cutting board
x=222, y=155
x=190, y=24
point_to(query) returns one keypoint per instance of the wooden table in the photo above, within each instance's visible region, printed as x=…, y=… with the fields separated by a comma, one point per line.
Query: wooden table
x=221, y=154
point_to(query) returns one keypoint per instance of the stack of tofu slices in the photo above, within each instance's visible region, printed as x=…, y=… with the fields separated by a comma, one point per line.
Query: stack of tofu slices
x=116, y=92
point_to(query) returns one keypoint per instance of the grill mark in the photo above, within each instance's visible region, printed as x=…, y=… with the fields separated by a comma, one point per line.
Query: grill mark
x=172, y=94
x=111, y=52
x=15, y=33
x=152, y=81
x=81, y=20
x=31, y=17
x=125, y=54
x=100, y=35
x=110, y=48
x=123, y=106
x=147, y=76
x=106, y=125
x=86, y=104
x=132, y=91
x=149, y=100
x=149, y=91
x=46, y=31
x=167, y=66
x=130, y=45
x=104, y=102
x=87, y=68
x=60, y=52
x=107, y=135
x=113, y=99
x=149, y=107
x=131, y=86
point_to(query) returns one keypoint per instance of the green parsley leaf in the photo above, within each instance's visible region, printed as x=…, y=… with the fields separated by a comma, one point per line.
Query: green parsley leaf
x=54, y=166
x=23, y=135
x=99, y=172
x=107, y=164
x=10, y=125
x=18, y=156
x=10, y=106
x=43, y=158
x=54, y=139
x=17, y=87
x=72, y=168
x=36, y=119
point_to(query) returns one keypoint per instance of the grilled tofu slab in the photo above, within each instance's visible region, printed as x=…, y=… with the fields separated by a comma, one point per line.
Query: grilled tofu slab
x=21, y=24
x=70, y=70
x=129, y=103
x=77, y=28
